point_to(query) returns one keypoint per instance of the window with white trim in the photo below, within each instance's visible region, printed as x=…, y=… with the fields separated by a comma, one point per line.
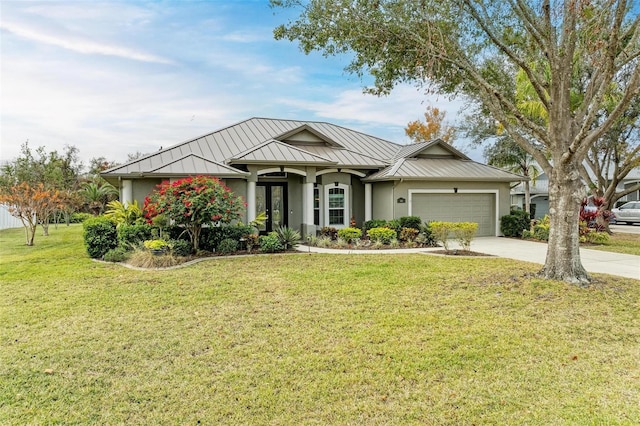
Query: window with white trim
x=336, y=205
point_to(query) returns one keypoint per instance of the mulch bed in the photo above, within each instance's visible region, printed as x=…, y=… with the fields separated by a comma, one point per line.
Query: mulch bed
x=460, y=253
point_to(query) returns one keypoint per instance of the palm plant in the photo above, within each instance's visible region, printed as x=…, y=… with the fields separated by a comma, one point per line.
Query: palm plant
x=123, y=214
x=288, y=237
x=97, y=196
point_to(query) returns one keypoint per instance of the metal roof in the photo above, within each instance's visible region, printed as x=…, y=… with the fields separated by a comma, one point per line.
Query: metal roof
x=449, y=169
x=347, y=158
x=273, y=151
x=229, y=142
x=414, y=149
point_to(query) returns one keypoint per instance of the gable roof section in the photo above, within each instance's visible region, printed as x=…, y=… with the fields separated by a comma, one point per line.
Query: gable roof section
x=189, y=164
x=300, y=135
x=442, y=169
x=274, y=151
x=435, y=148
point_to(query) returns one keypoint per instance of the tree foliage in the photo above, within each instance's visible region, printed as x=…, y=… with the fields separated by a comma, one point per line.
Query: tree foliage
x=31, y=204
x=574, y=55
x=432, y=128
x=194, y=202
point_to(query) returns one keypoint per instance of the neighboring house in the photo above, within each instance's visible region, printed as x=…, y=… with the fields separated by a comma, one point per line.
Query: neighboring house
x=540, y=193
x=7, y=220
x=308, y=174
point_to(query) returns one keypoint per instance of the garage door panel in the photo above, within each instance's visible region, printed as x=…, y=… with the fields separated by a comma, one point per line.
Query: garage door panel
x=479, y=208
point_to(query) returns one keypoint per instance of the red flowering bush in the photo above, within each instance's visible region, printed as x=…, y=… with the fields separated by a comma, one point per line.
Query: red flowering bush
x=194, y=202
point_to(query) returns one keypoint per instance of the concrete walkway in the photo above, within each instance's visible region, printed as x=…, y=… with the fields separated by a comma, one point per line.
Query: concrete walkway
x=623, y=265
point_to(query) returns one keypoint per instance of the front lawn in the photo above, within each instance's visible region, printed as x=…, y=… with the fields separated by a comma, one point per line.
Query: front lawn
x=620, y=242
x=310, y=339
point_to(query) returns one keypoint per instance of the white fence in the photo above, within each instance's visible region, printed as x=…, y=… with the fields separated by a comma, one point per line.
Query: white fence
x=6, y=220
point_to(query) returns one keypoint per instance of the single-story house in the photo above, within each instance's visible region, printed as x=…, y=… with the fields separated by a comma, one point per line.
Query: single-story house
x=540, y=192
x=308, y=174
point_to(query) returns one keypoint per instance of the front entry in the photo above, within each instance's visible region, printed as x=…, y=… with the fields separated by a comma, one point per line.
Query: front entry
x=271, y=199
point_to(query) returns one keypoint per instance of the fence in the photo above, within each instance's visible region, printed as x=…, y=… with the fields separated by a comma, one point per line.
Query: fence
x=8, y=221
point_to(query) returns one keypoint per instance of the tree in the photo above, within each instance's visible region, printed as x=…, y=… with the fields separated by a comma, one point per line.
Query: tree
x=96, y=195
x=570, y=52
x=431, y=129
x=194, y=202
x=56, y=171
x=32, y=205
x=508, y=155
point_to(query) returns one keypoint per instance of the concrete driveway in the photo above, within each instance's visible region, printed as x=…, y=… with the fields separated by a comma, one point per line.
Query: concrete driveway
x=623, y=265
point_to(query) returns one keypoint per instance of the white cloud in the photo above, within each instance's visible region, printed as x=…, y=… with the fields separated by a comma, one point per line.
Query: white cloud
x=78, y=44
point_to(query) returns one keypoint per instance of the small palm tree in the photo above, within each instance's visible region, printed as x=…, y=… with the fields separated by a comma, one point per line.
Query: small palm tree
x=508, y=155
x=97, y=196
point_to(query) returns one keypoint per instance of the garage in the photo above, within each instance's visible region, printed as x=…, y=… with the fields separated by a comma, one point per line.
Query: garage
x=459, y=207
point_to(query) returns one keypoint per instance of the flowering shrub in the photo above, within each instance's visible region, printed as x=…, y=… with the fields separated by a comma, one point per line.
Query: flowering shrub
x=194, y=202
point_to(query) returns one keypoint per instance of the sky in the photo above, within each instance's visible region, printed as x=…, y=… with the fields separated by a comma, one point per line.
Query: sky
x=120, y=77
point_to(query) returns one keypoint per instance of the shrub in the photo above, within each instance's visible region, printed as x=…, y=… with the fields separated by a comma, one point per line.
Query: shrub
x=288, y=237
x=323, y=242
x=410, y=222
x=382, y=235
x=118, y=254
x=513, y=224
x=154, y=245
x=181, y=247
x=251, y=241
x=270, y=243
x=329, y=231
x=595, y=237
x=408, y=234
x=375, y=223
x=394, y=224
x=441, y=231
x=132, y=235
x=426, y=237
x=100, y=236
x=349, y=234
x=211, y=237
x=80, y=217
x=228, y=246
x=465, y=232
x=146, y=259
x=541, y=232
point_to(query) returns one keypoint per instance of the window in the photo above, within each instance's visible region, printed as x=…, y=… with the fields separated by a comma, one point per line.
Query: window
x=337, y=205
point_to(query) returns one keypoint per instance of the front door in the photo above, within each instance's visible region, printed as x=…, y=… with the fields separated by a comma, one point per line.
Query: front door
x=271, y=198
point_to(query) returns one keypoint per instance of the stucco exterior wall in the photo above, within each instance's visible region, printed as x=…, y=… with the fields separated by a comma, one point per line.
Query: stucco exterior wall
x=382, y=196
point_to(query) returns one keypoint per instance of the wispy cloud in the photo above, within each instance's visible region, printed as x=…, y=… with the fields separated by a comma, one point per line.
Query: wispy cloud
x=80, y=45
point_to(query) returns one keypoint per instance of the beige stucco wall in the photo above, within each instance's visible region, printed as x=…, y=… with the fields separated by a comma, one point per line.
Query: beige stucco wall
x=382, y=200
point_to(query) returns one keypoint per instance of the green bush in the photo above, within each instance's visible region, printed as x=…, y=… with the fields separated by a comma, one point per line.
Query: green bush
x=133, y=235
x=541, y=232
x=382, y=235
x=228, y=246
x=118, y=254
x=441, y=232
x=595, y=237
x=270, y=243
x=513, y=224
x=80, y=217
x=100, y=236
x=211, y=237
x=349, y=234
x=375, y=223
x=426, y=237
x=410, y=222
x=395, y=225
x=181, y=247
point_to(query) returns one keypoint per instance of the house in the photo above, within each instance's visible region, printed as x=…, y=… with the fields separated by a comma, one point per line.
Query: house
x=308, y=174
x=540, y=193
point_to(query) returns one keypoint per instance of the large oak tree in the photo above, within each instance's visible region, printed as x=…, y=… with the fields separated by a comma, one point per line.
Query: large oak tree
x=477, y=48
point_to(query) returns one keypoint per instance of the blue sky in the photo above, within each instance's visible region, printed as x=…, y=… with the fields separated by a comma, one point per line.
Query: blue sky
x=114, y=78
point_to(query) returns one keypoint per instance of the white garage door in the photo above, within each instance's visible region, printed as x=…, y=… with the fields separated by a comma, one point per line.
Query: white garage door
x=479, y=208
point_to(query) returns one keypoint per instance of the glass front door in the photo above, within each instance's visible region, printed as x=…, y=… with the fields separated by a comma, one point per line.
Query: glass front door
x=271, y=199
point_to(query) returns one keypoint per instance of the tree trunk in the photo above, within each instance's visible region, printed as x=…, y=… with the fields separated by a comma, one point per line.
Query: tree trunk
x=527, y=197
x=563, y=253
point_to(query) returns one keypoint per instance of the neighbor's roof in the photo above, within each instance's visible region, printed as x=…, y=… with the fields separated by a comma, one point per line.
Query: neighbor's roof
x=230, y=142
x=449, y=169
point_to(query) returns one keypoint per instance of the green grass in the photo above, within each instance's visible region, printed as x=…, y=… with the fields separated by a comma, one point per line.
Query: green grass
x=310, y=339
x=621, y=242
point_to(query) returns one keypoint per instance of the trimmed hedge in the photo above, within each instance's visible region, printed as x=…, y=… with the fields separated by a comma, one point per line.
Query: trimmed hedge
x=384, y=235
x=100, y=236
x=515, y=223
